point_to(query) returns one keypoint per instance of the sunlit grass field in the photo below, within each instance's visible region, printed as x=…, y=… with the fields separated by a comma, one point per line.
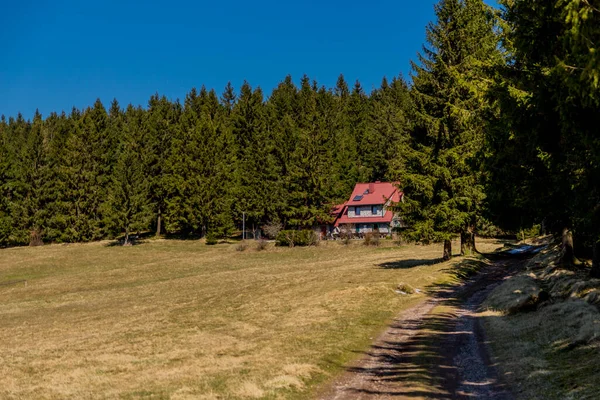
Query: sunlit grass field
x=179, y=319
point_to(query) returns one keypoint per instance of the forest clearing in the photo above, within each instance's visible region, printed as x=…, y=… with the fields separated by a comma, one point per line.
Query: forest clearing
x=178, y=319
x=367, y=198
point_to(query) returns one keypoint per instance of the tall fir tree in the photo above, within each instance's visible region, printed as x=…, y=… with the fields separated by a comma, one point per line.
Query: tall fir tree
x=345, y=155
x=127, y=206
x=161, y=125
x=439, y=174
x=257, y=177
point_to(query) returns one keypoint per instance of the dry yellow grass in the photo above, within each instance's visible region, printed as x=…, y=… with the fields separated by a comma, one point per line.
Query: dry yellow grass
x=181, y=320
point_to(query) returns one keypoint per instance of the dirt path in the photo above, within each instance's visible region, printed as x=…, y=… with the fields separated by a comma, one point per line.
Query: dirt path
x=434, y=350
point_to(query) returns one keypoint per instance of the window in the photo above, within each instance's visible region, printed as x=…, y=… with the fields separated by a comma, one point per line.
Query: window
x=358, y=197
x=357, y=211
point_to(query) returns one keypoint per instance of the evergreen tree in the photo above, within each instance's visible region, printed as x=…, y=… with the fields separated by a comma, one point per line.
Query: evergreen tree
x=55, y=207
x=550, y=72
x=358, y=119
x=439, y=173
x=309, y=174
x=5, y=162
x=28, y=203
x=127, y=206
x=388, y=127
x=345, y=155
x=257, y=177
x=161, y=124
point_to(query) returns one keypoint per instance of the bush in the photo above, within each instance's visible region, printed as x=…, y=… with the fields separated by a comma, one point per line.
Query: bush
x=35, y=238
x=293, y=238
x=487, y=229
x=371, y=239
x=261, y=244
x=211, y=239
x=346, y=236
x=241, y=246
x=272, y=229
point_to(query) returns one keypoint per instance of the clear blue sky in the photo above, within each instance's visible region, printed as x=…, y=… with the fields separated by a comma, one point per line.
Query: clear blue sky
x=59, y=54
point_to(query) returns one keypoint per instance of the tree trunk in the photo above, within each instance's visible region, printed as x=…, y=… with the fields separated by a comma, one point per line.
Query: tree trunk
x=447, y=250
x=158, y=223
x=568, y=254
x=126, y=242
x=467, y=241
x=596, y=261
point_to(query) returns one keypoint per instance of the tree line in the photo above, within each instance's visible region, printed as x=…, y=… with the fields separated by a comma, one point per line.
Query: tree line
x=498, y=123
x=196, y=167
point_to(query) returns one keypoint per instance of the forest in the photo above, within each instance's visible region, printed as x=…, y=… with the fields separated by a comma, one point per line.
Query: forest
x=497, y=125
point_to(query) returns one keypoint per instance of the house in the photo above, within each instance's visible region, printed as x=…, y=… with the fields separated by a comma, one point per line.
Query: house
x=368, y=209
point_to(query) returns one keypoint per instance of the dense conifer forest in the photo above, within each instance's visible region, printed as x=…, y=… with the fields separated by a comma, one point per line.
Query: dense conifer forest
x=498, y=124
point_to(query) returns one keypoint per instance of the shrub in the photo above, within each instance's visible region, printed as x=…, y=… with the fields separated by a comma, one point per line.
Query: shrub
x=346, y=235
x=371, y=239
x=487, y=229
x=35, y=238
x=293, y=238
x=261, y=244
x=272, y=229
x=241, y=246
x=211, y=239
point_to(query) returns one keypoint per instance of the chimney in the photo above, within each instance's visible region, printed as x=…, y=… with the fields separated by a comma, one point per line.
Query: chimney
x=371, y=188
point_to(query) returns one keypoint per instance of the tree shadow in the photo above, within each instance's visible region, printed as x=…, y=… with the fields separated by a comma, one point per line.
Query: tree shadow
x=411, y=263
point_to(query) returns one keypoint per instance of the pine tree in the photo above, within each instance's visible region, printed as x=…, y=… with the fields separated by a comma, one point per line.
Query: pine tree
x=127, y=206
x=439, y=174
x=228, y=98
x=345, y=156
x=257, y=177
x=5, y=162
x=551, y=71
x=310, y=175
x=161, y=124
x=388, y=127
x=56, y=132
x=28, y=188
x=358, y=118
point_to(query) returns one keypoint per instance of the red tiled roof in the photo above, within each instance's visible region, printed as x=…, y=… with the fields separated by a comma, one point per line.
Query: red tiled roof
x=344, y=219
x=380, y=195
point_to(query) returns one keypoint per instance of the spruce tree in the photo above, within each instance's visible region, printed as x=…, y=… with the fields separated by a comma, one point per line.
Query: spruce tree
x=546, y=134
x=310, y=174
x=257, y=177
x=439, y=174
x=161, y=124
x=345, y=155
x=127, y=207
x=5, y=163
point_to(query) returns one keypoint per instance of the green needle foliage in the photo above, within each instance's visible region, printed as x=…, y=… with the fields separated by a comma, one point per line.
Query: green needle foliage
x=439, y=167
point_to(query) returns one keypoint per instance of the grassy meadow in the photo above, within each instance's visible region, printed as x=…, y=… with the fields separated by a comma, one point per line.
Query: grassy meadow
x=179, y=319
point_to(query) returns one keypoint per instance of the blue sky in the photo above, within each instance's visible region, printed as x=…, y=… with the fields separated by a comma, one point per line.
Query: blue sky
x=59, y=54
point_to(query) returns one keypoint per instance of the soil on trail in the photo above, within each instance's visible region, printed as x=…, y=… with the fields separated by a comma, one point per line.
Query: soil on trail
x=435, y=350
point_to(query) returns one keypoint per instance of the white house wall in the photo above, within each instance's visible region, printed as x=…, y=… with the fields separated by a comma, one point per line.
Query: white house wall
x=366, y=228
x=365, y=211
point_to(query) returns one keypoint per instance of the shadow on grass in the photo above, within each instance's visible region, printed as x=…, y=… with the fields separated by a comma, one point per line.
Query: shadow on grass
x=411, y=263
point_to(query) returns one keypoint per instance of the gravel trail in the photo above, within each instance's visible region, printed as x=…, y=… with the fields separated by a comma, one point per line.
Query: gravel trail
x=430, y=354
